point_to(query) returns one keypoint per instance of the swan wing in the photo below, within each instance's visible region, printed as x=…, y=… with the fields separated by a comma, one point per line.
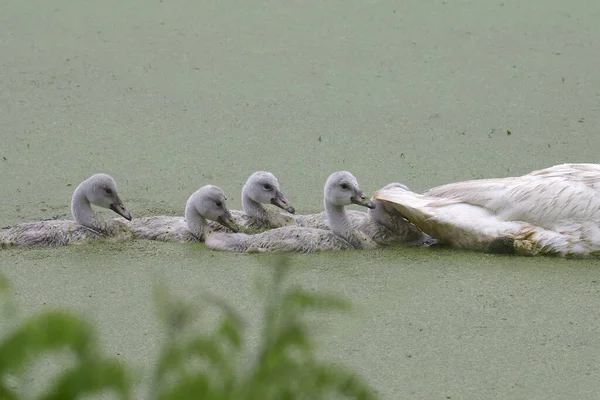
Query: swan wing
x=568, y=192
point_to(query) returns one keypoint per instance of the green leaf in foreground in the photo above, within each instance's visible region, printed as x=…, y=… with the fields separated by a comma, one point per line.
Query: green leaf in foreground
x=89, y=377
x=212, y=364
x=45, y=332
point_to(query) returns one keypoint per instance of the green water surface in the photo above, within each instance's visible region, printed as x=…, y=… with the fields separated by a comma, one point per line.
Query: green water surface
x=170, y=95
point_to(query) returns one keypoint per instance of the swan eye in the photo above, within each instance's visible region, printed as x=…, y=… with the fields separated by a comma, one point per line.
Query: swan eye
x=344, y=186
x=219, y=204
x=108, y=191
x=268, y=187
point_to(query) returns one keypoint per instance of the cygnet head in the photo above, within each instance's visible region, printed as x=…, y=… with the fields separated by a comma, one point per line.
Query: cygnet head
x=383, y=211
x=211, y=203
x=101, y=190
x=341, y=189
x=263, y=187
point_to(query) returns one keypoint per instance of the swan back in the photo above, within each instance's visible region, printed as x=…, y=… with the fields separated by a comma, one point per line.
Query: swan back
x=560, y=194
x=53, y=233
x=288, y=239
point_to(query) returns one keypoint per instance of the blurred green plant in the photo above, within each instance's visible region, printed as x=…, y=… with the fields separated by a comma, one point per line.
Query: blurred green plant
x=52, y=331
x=194, y=365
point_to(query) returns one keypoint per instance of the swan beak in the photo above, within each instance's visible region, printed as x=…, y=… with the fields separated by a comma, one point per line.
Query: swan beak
x=280, y=201
x=120, y=209
x=228, y=222
x=361, y=200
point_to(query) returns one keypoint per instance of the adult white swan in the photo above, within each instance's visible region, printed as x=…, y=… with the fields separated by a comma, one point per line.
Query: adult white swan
x=554, y=211
x=100, y=190
x=341, y=189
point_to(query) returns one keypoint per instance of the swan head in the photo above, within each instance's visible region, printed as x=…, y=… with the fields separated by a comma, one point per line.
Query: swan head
x=263, y=187
x=211, y=203
x=383, y=211
x=101, y=190
x=341, y=189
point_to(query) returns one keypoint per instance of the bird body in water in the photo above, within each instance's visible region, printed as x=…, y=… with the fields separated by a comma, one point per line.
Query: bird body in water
x=99, y=190
x=341, y=189
x=552, y=211
x=205, y=212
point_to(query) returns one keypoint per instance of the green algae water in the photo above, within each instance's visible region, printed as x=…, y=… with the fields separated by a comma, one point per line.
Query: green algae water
x=169, y=96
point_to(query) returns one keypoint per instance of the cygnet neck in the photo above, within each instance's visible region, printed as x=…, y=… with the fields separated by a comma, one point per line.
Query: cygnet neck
x=251, y=207
x=196, y=223
x=82, y=209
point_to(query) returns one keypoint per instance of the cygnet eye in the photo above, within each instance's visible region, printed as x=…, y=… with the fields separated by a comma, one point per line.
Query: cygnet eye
x=108, y=191
x=219, y=204
x=268, y=187
x=344, y=186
